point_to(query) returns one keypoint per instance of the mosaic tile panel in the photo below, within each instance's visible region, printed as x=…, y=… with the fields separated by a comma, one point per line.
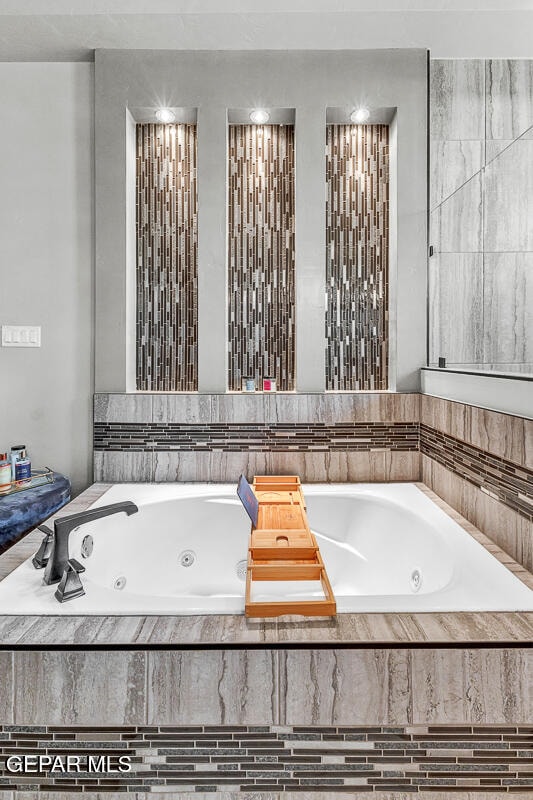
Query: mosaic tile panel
x=261, y=254
x=305, y=436
x=166, y=258
x=357, y=252
x=212, y=758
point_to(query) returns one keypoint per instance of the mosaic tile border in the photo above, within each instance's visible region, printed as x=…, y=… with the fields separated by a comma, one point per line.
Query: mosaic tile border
x=242, y=758
x=503, y=480
x=301, y=437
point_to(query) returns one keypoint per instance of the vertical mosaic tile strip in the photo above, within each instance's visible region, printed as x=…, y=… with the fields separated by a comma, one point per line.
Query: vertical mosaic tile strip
x=357, y=253
x=240, y=758
x=261, y=254
x=166, y=258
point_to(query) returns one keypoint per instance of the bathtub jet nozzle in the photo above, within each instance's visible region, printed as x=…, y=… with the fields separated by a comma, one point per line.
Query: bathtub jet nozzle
x=58, y=562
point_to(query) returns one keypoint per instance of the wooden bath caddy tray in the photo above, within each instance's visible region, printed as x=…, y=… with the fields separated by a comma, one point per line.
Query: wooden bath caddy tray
x=282, y=548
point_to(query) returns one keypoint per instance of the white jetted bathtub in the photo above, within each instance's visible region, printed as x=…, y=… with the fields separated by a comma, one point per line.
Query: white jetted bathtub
x=386, y=547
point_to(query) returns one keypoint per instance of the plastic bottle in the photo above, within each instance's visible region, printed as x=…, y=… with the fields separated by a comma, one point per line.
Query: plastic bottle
x=18, y=451
x=5, y=474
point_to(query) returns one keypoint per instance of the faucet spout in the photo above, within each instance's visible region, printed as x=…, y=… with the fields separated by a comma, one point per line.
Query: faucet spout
x=59, y=558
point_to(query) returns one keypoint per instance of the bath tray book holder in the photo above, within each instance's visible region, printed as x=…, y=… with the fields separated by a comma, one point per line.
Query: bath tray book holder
x=283, y=548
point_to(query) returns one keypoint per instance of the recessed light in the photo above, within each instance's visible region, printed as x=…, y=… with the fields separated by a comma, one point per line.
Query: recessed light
x=165, y=115
x=360, y=115
x=259, y=116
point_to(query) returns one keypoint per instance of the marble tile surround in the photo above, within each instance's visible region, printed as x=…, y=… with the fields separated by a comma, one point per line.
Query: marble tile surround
x=507, y=437
x=508, y=305
x=376, y=464
x=481, y=200
x=302, y=686
x=456, y=300
x=504, y=436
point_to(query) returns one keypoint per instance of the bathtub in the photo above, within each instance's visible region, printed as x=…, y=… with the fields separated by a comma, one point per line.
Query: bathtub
x=386, y=547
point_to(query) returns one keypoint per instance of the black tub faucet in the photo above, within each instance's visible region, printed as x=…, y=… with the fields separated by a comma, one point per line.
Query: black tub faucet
x=59, y=568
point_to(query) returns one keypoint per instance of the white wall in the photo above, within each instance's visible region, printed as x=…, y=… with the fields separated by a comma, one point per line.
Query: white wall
x=46, y=261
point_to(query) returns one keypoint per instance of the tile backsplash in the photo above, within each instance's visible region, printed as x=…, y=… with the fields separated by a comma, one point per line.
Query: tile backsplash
x=166, y=258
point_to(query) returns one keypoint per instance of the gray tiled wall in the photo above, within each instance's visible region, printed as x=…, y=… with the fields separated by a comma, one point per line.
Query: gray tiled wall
x=481, y=201
x=385, y=451
x=326, y=686
x=479, y=461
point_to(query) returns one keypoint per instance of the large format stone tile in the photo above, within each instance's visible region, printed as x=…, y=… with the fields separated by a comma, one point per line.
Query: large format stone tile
x=298, y=408
x=122, y=407
x=457, y=99
x=508, y=307
x=312, y=466
x=213, y=687
x=123, y=467
x=509, y=97
x=219, y=466
x=456, y=308
x=452, y=163
x=6, y=688
x=240, y=408
x=82, y=688
x=471, y=686
x=528, y=443
x=187, y=409
x=445, y=415
x=366, y=407
x=345, y=687
x=510, y=531
x=502, y=434
x=508, y=222
x=456, y=225
x=493, y=148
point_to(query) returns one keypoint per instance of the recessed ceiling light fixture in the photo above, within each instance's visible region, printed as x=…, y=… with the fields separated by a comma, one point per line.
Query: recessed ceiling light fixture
x=165, y=115
x=259, y=116
x=360, y=115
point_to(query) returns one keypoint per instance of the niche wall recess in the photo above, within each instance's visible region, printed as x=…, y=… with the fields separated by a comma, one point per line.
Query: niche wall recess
x=357, y=257
x=166, y=212
x=261, y=254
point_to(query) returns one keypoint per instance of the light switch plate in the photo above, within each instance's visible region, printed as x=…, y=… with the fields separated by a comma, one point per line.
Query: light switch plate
x=21, y=335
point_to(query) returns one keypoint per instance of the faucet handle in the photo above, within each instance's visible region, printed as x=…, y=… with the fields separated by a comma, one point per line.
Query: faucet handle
x=70, y=585
x=40, y=559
